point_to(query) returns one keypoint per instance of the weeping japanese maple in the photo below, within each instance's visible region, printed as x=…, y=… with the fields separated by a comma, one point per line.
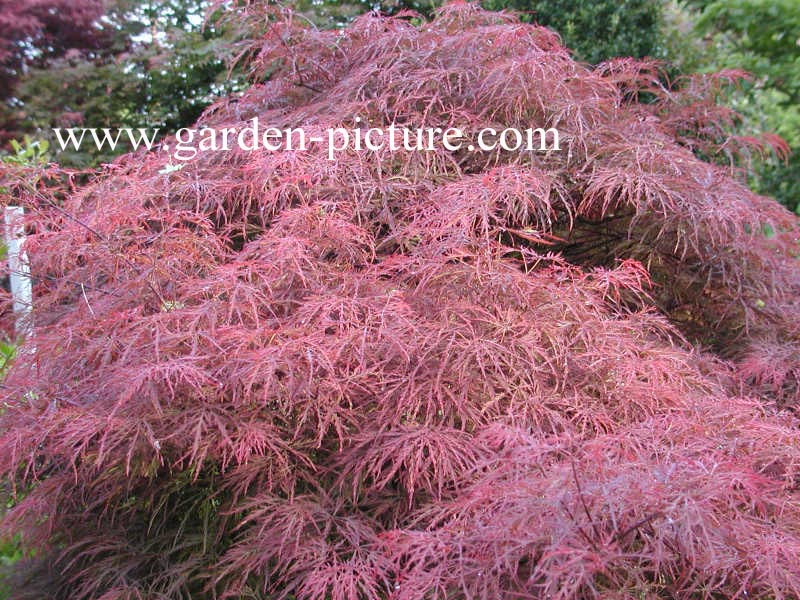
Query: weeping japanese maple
x=407, y=375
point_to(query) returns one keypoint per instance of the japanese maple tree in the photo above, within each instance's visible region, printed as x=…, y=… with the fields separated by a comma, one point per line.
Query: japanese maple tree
x=407, y=375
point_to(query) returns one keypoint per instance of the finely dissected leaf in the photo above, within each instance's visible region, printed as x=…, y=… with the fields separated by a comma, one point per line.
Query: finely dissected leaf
x=563, y=374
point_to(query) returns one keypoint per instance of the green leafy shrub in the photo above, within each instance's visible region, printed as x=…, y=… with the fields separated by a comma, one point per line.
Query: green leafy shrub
x=597, y=31
x=761, y=37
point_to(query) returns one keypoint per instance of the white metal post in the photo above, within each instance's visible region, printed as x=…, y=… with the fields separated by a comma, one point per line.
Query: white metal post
x=19, y=268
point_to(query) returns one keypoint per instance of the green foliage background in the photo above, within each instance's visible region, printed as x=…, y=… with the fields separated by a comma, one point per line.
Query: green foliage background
x=596, y=31
x=165, y=67
x=763, y=38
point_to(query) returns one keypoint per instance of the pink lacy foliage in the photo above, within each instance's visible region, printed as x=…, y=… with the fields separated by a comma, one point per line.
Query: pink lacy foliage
x=415, y=375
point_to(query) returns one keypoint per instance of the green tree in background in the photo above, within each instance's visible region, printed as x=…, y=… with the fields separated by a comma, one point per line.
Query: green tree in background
x=167, y=65
x=763, y=38
x=594, y=29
